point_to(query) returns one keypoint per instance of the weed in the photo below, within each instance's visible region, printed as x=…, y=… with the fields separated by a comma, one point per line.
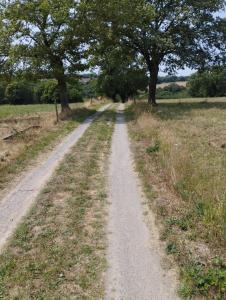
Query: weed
x=153, y=149
x=199, y=280
x=171, y=248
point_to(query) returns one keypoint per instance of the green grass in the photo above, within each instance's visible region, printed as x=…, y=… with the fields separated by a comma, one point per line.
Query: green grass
x=58, y=252
x=7, y=111
x=179, y=156
x=42, y=143
x=12, y=111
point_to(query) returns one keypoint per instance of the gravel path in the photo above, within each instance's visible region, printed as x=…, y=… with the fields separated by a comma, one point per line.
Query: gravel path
x=16, y=204
x=135, y=271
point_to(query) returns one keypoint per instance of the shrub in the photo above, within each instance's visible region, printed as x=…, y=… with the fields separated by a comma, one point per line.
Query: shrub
x=2, y=93
x=75, y=94
x=46, y=91
x=19, y=92
x=211, y=83
x=172, y=91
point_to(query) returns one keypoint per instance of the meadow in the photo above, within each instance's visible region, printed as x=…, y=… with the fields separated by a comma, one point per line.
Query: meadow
x=180, y=153
x=7, y=111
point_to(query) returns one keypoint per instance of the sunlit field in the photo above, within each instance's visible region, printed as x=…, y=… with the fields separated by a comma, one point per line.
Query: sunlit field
x=180, y=149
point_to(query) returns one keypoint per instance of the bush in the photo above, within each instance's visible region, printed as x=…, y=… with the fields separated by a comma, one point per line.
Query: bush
x=46, y=91
x=90, y=89
x=19, y=92
x=172, y=91
x=43, y=91
x=74, y=94
x=2, y=93
x=211, y=83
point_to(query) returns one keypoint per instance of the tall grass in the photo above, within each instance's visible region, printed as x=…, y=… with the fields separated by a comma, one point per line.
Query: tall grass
x=180, y=144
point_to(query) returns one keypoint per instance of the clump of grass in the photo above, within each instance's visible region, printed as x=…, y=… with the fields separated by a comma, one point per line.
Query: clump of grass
x=188, y=175
x=59, y=250
x=153, y=149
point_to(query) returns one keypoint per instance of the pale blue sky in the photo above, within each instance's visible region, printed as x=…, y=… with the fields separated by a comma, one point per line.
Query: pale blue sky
x=188, y=71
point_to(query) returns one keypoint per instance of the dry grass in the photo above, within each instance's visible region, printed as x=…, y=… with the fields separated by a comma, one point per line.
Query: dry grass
x=17, y=152
x=59, y=250
x=182, y=164
x=165, y=84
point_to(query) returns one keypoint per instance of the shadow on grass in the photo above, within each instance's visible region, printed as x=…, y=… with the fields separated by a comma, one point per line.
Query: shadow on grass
x=172, y=110
x=167, y=111
x=80, y=114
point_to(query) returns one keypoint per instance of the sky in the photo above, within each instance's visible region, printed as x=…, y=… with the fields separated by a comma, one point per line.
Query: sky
x=187, y=71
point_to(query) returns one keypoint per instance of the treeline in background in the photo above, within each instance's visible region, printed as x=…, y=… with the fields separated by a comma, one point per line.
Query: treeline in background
x=45, y=91
x=117, y=86
x=209, y=83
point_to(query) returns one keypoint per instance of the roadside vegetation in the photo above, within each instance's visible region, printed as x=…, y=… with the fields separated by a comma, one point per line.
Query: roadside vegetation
x=59, y=250
x=17, y=152
x=180, y=155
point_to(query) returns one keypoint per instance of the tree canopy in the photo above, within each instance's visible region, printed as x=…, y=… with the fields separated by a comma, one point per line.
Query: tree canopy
x=49, y=39
x=210, y=83
x=55, y=39
x=170, y=33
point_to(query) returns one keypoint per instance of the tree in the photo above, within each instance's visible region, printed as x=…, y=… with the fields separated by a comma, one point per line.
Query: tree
x=5, y=42
x=164, y=32
x=19, y=92
x=48, y=40
x=210, y=83
x=122, y=74
x=123, y=82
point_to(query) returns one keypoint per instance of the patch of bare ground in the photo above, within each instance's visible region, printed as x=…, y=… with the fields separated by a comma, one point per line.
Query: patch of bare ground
x=58, y=252
x=183, y=176
x=27, y=148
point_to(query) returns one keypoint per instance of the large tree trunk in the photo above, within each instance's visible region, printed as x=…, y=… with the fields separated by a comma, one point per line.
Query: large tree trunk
x=63, y=96
x=153, y=80
x=58, y=73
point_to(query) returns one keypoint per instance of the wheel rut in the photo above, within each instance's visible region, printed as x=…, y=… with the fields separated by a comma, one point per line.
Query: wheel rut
x=135, y=270
x=15, y=205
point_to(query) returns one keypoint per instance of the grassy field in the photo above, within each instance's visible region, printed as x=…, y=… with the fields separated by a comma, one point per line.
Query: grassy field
x=181, y=157
x=59, y=250
x=16, y=154
x=7, y=111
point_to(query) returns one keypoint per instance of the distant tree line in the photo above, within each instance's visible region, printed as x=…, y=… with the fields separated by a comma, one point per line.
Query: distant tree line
x=22, y=91
x=172, y=91
x=134, y=39
x=172, y=78
x=208, y=83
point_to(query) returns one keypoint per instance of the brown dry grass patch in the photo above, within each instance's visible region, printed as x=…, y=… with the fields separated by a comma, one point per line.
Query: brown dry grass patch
x=179, y=156
x=59, y=250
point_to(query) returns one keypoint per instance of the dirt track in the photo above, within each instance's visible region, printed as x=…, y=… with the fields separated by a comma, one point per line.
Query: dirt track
x=135, y=271
x=17, y=203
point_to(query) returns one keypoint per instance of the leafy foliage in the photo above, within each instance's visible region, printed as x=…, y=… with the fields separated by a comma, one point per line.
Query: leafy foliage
x=171, y=33
x=19, y=92
x=48, y=38
x=122, y=83
x=210, y=83
x=172, y=91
